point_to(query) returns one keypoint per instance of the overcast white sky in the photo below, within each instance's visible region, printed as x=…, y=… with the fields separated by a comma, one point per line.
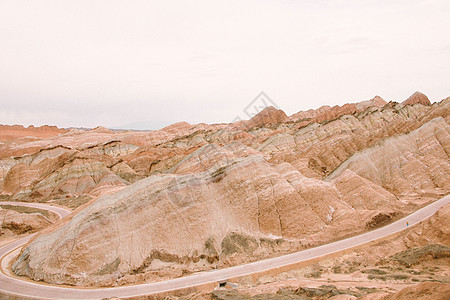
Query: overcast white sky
x=103, y=62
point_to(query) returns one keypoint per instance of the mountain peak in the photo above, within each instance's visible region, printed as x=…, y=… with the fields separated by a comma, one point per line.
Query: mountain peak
x=269, y=115
x=417, y=97
x=378, y=101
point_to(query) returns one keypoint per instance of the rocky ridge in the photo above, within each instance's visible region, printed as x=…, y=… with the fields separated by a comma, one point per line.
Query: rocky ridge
x=10, y=133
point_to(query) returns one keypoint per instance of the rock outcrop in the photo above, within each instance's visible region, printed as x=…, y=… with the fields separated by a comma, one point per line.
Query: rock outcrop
x=70, y=174
x=13, y=222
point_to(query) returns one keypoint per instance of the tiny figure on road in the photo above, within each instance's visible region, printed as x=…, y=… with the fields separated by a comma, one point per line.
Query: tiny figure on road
x=407, y=224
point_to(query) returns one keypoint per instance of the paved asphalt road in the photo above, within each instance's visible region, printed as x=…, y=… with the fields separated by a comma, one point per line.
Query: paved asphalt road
x=27, y=288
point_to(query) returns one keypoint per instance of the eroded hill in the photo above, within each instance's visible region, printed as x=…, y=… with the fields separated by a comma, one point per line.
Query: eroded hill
x=190, y=198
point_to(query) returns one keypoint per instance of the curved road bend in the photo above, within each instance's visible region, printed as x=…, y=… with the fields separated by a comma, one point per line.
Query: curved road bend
x=19, y=287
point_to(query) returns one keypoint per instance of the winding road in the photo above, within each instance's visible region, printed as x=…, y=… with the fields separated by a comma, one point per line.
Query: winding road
x=17, y=286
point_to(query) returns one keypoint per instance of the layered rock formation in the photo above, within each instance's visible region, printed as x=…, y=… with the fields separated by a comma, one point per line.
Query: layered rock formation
x=189, y=218
x=326, y=113
x=416, y=163
x=268, y=116
x=417, y=97
x=189, y=198
x=70, y=174
x=22, y=220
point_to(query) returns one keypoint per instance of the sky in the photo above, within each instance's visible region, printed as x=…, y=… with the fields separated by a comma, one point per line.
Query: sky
x=147, y=64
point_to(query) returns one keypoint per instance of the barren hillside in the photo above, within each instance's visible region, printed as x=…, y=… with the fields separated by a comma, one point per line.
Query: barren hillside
x=190, y=198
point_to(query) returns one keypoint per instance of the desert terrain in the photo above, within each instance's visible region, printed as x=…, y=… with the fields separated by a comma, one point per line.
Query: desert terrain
x=155, y=205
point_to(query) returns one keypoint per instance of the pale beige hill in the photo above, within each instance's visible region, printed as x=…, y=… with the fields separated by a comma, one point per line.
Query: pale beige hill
x=177, y=127
x=30, y=159
x=212, y=156
x=412, y=164
x=70, y=174
x=133, y=227
x=222, y=216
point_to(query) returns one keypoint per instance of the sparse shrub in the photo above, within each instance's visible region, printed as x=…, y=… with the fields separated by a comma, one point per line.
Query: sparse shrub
x=400, y=276
x=374, y=271
x=314, y=274
x=367, y=290
x=209, y=245
x=414, y=255
x=388, y=277
x=336, y=269
x=377, y=277
x=238, y=243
